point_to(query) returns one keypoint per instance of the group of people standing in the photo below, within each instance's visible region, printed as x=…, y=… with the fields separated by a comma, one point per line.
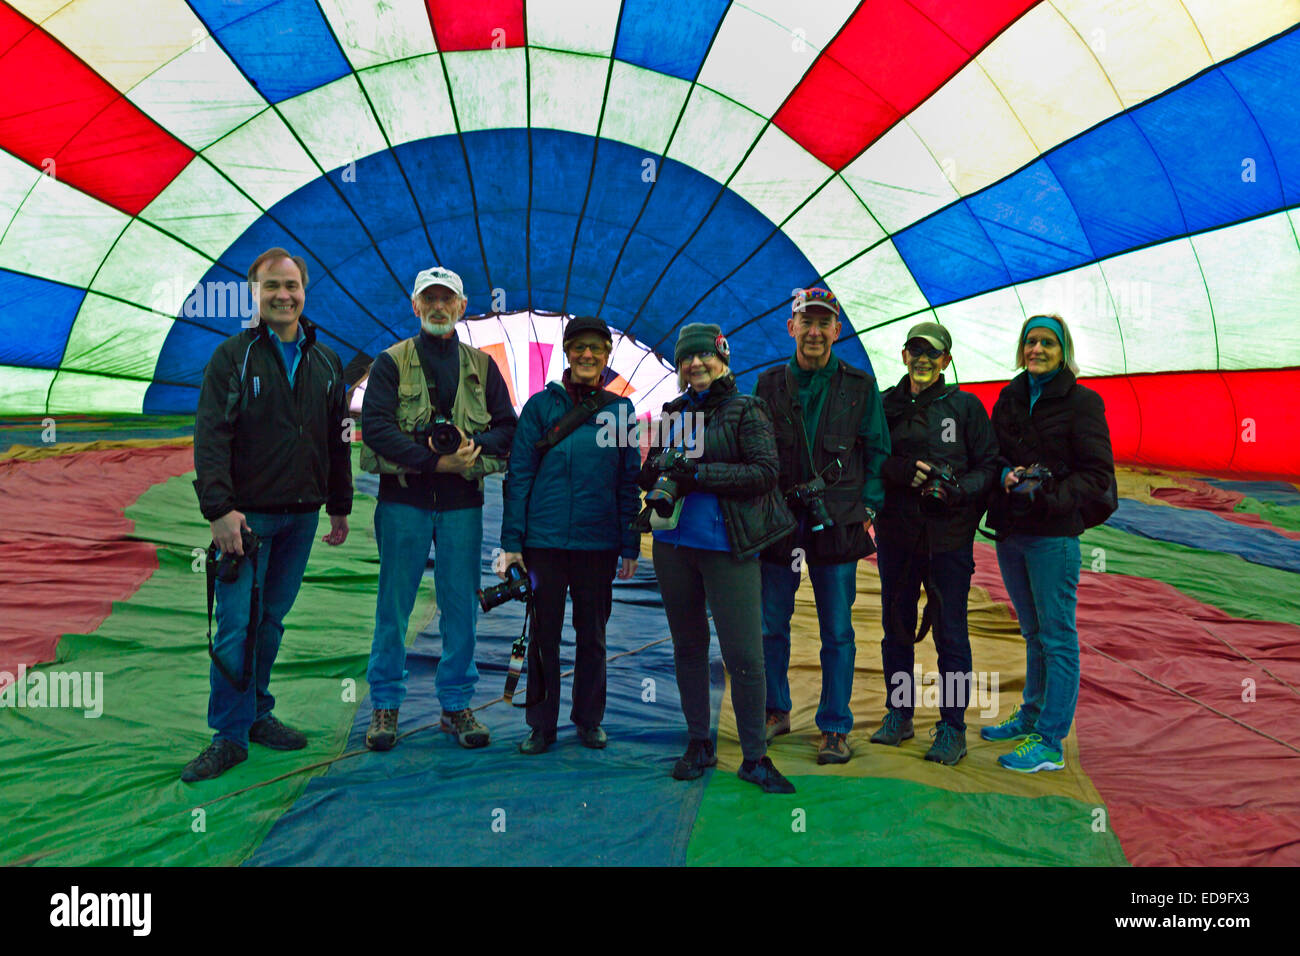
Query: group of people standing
x=761, y=488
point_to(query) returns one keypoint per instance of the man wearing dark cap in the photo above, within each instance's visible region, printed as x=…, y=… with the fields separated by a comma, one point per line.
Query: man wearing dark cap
x=429, y=493
x=943, y=463
x=832, y=439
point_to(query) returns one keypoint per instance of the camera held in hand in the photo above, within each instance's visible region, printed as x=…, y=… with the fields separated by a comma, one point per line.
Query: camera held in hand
x=441, y=433
x=518, y=586
x=227, y=562
x=811, y=497
x=1033, y=479
x=940, y=490
x=662, y=497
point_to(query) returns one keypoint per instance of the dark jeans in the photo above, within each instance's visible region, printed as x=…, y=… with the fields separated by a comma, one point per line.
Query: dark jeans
x=690, y=578
x=588, y=578
x=902, y=570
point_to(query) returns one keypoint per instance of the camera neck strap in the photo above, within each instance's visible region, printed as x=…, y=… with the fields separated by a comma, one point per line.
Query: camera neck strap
x=519, y=654
x=573, y=419
x=254, y=618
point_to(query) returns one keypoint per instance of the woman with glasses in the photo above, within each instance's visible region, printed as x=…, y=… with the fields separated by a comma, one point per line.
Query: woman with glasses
x=714, y=478
x=1055, y=448
x=568, y=515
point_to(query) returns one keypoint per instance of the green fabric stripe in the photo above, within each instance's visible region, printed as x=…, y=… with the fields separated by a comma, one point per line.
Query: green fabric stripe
x=1286, y=517
x=875, y=821
x=109, y=792
x=1232, y=584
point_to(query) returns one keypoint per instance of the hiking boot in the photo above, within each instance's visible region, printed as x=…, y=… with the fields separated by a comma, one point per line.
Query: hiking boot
x=1013, y=728
x=269, y=732
x=949, y=744
x=765, y=775
x=834, y=748
x=220, y=756
x=1032, y=756
x=383, y=730
x=699, y=755
x=894, y=729
x=592, y=737
x=778, y=723
x=535, y=743
x=462, y=724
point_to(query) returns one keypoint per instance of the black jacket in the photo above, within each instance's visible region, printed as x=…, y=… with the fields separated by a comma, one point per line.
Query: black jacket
x=1067, y=432
x=738, y=464
x=260, y=445
x=943, y=426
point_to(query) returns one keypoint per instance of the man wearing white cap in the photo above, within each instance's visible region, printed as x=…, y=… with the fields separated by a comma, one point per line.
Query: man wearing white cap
x=436, y=418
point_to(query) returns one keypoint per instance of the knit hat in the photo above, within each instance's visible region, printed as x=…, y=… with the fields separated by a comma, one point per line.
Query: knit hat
x=932, y=332
x=701, y=337
x=586, y=323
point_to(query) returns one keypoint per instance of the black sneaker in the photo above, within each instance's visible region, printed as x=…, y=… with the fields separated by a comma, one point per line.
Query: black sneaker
x=699, y=755
x=949, y=744
x=269, y=732
x=893, y=730
x=535, y=743
x=593, y=737
x=382, y=734
x=220, y=756
x=765, y=775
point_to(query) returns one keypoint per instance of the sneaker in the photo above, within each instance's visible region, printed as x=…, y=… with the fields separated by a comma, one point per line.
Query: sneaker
x=765, y=775
x=593, y=737
x=463, y=725
x=1010, y=729
x=834, y=748
x=220, y=756
x=894, y=729
x=778, y=723
x=1032, y=756
x=269, y=732
x=535, y=743
x=383, y=730
x=949, y=744
x=699, y=755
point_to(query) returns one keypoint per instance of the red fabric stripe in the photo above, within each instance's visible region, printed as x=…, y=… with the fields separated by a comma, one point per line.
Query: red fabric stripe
x=1208, y=498
x=64, y=536
x=1182, y=785
x=482, y=25
x=889, y=57
x=1199, y=421
x=53, y=106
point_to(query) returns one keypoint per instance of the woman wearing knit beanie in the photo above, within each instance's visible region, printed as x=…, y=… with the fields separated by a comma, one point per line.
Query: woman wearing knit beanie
x=706, y=552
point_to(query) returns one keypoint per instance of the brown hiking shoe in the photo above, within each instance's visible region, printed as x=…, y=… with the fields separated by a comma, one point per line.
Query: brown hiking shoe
x=383, y=730
x=462, y=724
x=778, y=723
x=834, y=748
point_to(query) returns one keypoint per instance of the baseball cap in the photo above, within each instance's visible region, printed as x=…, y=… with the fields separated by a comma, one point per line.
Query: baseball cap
x=585, y=323
x=438, y=276
x=817, y=296
x=932, y=332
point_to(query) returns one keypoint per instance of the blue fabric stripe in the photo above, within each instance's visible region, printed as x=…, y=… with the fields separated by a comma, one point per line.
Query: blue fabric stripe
x=1207, y=531
x=36, y=319
x=668, y=36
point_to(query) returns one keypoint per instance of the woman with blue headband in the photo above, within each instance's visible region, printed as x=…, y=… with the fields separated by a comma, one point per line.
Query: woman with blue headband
x=1055, y=448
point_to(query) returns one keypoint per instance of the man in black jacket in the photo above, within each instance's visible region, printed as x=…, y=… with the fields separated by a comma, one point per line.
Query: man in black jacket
x=831, y=439
x=270, y=447
x=936, y=482
x=430, y=492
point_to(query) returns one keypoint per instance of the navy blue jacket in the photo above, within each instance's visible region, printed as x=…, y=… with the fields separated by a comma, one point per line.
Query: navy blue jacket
x=583, y=495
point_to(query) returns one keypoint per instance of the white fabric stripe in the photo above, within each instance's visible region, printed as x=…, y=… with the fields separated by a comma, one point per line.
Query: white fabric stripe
x=583, y=26
x=566, y=90
x=714, y=134
x=113, y=337
x=60, y=233
x=876, y=287
x=983, y=336
x=488, y=88
x=778, y=175
x=833, y=227
x=16, y=181
x=1229, y=28
x=78, y=393
x=642, y=106
x=146, y=266
x=410, y=99
x=335, y=123
x=370, y=34
x=899, y=180
x=23, y=390
x=201, y=207
x=263, y=158
x=764, y=48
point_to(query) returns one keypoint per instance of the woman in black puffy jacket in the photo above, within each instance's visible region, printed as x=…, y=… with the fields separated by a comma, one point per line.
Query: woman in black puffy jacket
x=1055, y=448
x=727, y=510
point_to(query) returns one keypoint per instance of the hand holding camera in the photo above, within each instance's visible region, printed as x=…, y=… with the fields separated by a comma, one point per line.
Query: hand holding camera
x=940, y=490
x=227, y=532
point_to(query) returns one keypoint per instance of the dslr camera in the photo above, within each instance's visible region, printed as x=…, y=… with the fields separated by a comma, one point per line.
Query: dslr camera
x=227, y=562
x=441, y=432
x=811, y=497
x=662, y=497
x=518, y=586
x=939, y=489
x=1033, y=479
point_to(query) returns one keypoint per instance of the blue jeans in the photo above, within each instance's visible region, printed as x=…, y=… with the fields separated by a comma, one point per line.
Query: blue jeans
x=835, y=587
x=903, y=568
x=285, y=545
x=403, y=533
x=1042, y=577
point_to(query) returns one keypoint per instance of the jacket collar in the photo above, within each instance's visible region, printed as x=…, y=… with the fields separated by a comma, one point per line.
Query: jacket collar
x=901, y=394
x=721, y=389
x=1056, y=388
x=305, y=340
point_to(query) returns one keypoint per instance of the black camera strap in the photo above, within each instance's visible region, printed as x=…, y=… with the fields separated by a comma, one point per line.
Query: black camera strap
x=518, y=655
x=254, y=619
x=573, y=419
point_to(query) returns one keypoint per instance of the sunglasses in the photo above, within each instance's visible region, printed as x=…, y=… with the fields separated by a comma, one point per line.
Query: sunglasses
x=918, y=348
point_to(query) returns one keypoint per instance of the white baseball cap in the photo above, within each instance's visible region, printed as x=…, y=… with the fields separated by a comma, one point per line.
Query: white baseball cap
x=438, y=276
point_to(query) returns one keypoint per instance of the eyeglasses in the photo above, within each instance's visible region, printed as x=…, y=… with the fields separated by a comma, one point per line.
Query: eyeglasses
x=702, y=356
x=918, y=348
x=596, y=349
x=1046, y=341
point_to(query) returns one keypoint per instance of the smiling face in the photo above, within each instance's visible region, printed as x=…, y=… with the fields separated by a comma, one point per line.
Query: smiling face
x=439, y=309
x=698, y=371
x=924, y=369
x=280, y=296
x=1042, y=351
x=814, y=330
x=587, y=357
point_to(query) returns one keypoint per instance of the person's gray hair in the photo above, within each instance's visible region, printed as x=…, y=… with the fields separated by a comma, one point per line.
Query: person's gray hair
x=1067, y=341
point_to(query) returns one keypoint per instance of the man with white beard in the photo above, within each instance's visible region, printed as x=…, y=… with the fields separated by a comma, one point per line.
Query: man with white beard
x=436, y=418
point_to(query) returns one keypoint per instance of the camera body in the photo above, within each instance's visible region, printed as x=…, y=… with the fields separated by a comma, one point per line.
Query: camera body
x=1033, y=479
x=518, y=586
x=662, y=497
x=441, y=432
x=939, y=489
x=228, y=562
x=811, y=497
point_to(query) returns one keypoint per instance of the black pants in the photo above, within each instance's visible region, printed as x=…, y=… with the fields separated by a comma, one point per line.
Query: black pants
x=587, y=576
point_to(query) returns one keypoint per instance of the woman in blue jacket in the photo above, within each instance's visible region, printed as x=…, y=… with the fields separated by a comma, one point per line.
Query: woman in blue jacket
x=567, y=521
